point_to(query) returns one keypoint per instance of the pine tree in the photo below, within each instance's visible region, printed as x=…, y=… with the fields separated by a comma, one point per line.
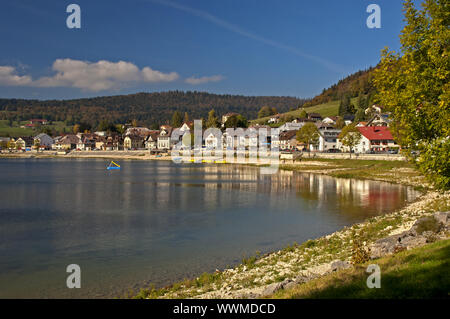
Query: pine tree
x=176, y=119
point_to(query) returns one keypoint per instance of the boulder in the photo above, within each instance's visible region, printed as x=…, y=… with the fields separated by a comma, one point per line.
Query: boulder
x=339, y=264
x=443, y=217
x=272, y=288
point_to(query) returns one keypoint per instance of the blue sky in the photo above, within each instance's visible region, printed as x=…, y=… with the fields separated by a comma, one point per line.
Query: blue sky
x=249, y=47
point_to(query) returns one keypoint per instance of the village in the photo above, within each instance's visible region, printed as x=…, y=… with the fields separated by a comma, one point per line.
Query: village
x=374, y=137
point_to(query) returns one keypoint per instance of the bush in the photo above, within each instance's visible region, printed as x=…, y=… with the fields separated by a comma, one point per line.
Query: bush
x=360, y=253
x=428, y=224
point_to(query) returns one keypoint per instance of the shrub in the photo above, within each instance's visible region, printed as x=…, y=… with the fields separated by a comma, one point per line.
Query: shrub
x=428, y=224
x=360, y=253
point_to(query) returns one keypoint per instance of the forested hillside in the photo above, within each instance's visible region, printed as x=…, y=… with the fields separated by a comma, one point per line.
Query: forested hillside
x=358, y=83
x=145, y=108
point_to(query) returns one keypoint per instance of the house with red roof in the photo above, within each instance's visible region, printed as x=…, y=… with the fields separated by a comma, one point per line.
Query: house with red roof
x=373, y=138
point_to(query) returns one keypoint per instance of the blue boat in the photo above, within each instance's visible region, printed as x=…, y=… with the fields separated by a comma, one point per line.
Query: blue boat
x=113, y=165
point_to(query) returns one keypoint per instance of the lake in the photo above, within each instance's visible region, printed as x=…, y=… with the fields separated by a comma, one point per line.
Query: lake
x=156, y=222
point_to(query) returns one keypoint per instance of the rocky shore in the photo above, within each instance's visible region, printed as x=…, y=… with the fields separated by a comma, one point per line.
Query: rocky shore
x=423, y=221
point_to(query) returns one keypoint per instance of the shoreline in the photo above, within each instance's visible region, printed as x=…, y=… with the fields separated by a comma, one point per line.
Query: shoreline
x=261, y=276
x=400, y=172
x=256, y=275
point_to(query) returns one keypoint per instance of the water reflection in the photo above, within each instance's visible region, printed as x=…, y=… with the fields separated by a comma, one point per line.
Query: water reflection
x=158, y=221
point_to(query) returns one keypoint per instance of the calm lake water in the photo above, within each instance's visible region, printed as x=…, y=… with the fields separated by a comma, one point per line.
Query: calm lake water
x=158, y=222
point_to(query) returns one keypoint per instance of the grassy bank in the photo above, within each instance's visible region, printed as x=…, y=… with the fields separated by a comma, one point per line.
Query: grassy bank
x=326, y=109
x=417, y=273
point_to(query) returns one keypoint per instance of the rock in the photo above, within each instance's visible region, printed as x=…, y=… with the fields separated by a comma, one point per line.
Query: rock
x=384, y=246
x=411, y=242
x=272, y=288
x=429, y=223
x=443, y=217
x=289, y=285
x=300, y=279
x=339, y=264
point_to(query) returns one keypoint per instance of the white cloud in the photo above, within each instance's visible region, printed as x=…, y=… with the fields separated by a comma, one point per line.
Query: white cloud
x=204, y=79
x=157, y=76
x=90, y=76
x=9, y=77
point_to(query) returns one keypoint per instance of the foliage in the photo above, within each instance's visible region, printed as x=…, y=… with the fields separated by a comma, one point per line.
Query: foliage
x=213, y=120
x=308, y=134
x=303, y=114
x=340, y=123
x=266, y=111
x=177, y=120
x=350, y=136
x=346, y=106
x=236, y=121
x=146, y=108
x=415, y=87
x=357, y=83
x=360, y=253
x=428, y=224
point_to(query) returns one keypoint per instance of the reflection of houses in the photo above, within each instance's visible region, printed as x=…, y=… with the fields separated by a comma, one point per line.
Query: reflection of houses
x=43, y=140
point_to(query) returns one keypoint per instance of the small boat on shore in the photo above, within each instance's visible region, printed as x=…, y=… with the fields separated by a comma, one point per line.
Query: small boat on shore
x=113, y=165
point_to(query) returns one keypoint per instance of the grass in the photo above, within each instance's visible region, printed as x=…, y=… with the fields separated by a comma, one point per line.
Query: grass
x=325, y=109
x=417, y=273
x=16, y=131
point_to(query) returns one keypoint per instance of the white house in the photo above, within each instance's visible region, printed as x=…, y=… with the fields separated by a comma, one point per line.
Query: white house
x=330, y=120
x=164, y=139
x=327, y=140
x=151, y=142
x=274, y=119
x=288, y=140
x=375, y=108
x=376, y=138
x=291, y=126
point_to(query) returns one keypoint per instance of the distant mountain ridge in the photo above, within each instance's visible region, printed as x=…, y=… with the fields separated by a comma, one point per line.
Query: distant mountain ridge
x=146, y=108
